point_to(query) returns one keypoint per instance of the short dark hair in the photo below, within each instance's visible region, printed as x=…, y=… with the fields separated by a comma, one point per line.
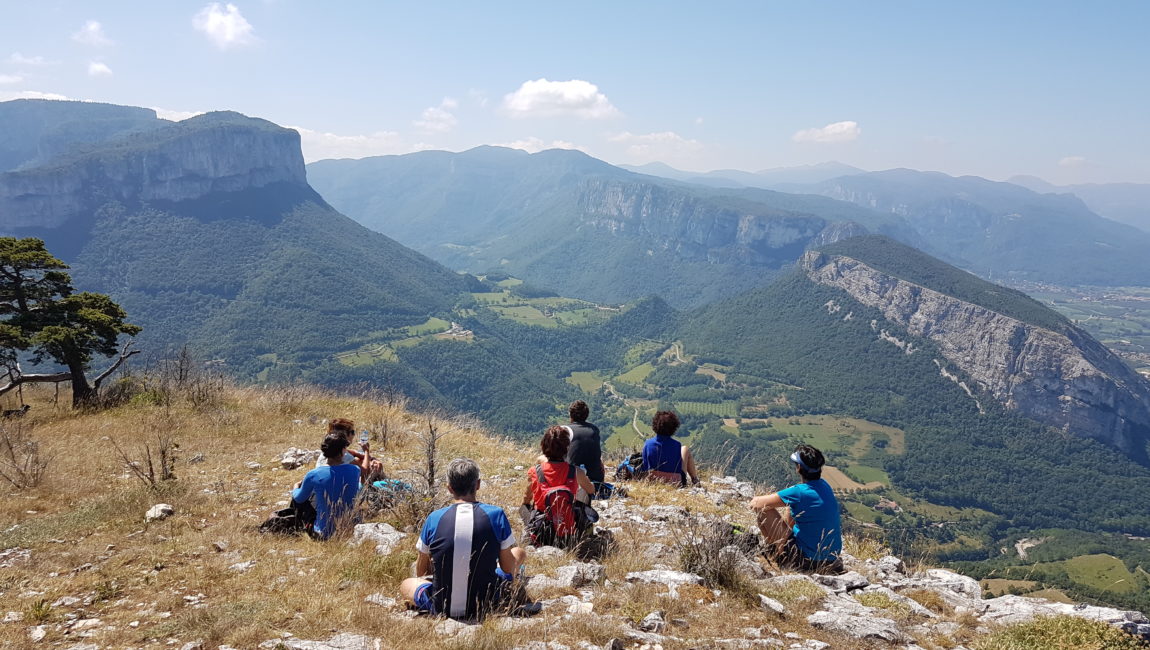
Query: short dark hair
x=462, y=475
x=342, y=425
x=812, y=458
x=665, y=423
x=578, y=411
x=555, y=443
x=333, y=445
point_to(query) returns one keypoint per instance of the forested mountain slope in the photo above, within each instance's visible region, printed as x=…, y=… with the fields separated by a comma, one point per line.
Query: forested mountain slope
x=965, y=445
x=585, y=228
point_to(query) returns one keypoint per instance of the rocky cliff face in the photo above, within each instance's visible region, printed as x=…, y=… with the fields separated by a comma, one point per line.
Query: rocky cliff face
x=1066, y=380
x=217, y=152
x=699, y=229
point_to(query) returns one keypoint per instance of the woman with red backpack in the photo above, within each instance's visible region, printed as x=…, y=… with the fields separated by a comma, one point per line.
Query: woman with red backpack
x=551, y=514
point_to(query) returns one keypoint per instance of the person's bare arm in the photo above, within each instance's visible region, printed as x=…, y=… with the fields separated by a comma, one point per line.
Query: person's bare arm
x=423, y=565
x=767, y=501
x=584, y=481
x=507, y=560
x=365, y=463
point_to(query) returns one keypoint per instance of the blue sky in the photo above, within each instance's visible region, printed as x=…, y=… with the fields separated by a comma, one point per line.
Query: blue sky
x=1055, y=89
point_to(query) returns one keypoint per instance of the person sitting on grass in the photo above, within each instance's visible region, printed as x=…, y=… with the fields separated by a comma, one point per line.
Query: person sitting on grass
x=468, y=551
x=586, y=448
x=664, y=458
x=807, y=536
x=369, y=468
x=331, y=487
x=549, y=509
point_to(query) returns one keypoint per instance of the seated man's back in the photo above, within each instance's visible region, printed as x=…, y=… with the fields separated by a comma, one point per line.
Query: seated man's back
x=464, y=540
x=333, y=486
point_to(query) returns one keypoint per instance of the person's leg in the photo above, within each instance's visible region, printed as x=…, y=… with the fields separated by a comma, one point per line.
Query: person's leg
x=689, y=465
x=409, y=590
x=774, y=527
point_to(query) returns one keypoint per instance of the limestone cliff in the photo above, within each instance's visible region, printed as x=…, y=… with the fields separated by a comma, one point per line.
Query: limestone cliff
x=1065, y=379
x=700, y=229
x=216, y=152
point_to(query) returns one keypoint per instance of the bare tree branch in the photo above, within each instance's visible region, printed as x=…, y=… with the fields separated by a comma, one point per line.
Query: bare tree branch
x=28, y=379
x=125, y=352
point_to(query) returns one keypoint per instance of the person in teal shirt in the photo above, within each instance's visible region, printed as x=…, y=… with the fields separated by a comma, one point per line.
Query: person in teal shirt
x=807, y=536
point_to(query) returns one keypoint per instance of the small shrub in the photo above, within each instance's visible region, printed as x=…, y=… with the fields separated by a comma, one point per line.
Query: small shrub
x=701, y=551
x=108, y=590
x=38, y=612
x=156, y=463
x=21, y=463
x=1059, y=633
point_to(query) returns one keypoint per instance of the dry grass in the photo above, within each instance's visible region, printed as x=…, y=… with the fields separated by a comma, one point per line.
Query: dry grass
x=153, y=585
x=1059, y=633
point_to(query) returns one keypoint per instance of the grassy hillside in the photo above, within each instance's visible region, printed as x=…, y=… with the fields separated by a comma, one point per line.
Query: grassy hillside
x=206, y=574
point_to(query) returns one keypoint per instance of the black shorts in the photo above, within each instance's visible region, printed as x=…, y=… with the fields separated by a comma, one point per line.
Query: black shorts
x=792, y=557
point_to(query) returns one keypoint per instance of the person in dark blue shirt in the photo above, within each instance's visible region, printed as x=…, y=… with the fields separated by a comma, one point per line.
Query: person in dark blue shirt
x=469, y=552
x=331, y=487
x=808, y=535
x=665, y=458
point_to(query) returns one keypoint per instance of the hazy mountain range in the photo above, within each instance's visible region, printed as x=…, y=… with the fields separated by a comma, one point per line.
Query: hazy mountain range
x=1128, y=203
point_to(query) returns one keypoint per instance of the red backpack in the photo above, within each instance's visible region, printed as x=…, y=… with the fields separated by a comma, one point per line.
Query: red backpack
x=555, y=518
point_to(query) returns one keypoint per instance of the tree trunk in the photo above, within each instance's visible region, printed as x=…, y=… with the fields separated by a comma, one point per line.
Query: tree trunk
x=82, y=392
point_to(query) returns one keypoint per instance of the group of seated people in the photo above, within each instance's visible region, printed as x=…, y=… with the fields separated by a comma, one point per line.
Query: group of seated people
x=468, y=556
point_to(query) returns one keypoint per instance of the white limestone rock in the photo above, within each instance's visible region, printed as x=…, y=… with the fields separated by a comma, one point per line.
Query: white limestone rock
x=159, y=512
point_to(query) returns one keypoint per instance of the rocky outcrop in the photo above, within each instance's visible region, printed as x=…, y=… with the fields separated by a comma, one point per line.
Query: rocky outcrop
x=1064, y=379
x=211, y=153
x=694, y=227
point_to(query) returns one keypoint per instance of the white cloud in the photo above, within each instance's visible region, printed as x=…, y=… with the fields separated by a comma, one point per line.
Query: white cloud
x=318, y=145
x=92, y=33
x=836, y=132
x=19, y=59
x=32, y=94
x=10, y=78
x=662, y=146
x=543, y=98
x=438, y=119
x=224, y=25
x=535, y=145
x=98, y=69
x=1074, y=162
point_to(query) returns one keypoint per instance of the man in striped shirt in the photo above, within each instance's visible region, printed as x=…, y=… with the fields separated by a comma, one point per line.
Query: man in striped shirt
x=468, y=550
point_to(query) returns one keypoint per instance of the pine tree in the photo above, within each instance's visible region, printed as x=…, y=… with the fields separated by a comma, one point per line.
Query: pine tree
x=40, y=313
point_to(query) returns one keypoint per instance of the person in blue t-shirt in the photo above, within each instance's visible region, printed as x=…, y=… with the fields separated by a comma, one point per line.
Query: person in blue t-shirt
x=332, y=487
x=808, y=535
x=468, y=551
x=664, y=458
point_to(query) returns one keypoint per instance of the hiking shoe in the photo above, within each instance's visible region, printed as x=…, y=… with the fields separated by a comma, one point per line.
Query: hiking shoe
x=529, y=608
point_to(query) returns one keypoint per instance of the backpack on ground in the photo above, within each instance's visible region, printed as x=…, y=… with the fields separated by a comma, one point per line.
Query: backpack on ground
x=295, y=519
x=631, y=468
x=557, y=520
